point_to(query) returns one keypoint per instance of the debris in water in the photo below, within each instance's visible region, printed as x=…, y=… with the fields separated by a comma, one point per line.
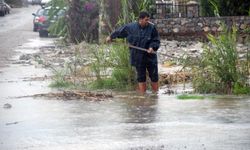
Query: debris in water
x=169, y=92
x=75, y=95
x=11, y=123
x=7, y=106
x=37, y=78
x=25, y=57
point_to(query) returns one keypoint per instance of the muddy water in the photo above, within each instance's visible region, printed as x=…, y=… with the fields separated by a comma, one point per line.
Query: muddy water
x=126, y=122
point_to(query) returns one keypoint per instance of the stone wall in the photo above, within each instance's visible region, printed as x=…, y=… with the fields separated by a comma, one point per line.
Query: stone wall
x=198, y=27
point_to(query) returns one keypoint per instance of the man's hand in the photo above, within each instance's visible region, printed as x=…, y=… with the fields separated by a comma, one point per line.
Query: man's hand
x=108, y=39
x=150, y=50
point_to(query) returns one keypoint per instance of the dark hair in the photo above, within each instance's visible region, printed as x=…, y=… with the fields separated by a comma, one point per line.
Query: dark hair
x=143, y=14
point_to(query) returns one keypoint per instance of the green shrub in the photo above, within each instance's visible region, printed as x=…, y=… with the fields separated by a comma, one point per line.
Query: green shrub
x=239, y=89
x=59, y=80
x=220, y=70
x=111, y=67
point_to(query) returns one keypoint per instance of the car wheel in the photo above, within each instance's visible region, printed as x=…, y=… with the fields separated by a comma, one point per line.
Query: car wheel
x=35, y=28
x=40, y=33
x=2, y=14
x=43, y=33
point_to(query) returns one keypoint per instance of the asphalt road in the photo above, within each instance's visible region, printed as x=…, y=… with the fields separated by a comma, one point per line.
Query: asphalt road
x=15, y=29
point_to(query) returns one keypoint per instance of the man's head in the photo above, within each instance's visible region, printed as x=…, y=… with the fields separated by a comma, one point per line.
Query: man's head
x=144, y=19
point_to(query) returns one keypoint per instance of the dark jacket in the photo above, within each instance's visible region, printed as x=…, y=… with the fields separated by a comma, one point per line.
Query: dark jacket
x=142, y=37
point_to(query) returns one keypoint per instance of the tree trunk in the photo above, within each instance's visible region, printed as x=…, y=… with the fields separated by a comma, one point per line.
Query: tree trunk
x=75, y=26
x=108, y=17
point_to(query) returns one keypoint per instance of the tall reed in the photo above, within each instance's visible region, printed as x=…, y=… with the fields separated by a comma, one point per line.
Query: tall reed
x=220, y=70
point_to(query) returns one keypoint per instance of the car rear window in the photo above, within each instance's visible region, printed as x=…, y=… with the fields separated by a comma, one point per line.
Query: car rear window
x=46, y=12
x=40, y=12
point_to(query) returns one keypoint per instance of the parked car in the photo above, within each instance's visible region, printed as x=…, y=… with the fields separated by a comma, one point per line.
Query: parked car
x=36, y=2
x=4, y=8
x=8, y=8
x=45, y=20
x=44, y=2
x=36, y=18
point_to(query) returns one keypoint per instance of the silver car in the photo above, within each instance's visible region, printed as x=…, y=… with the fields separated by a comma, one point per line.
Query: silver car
x=4, y=8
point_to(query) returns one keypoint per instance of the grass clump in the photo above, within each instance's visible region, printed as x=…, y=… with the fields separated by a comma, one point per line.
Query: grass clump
x=60, y=81
x=60, y=84
x=111, y=67
x=186, y=97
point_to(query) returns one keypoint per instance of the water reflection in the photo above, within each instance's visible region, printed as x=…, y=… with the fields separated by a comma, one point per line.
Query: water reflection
x=141, y=109
x=139, y=113
x=230, y=110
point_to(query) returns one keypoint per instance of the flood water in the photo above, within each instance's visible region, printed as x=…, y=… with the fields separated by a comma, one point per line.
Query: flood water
x=125, y=122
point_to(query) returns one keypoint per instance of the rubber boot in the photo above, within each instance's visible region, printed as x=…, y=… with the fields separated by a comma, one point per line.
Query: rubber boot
x=142, y=87
x=154, y=87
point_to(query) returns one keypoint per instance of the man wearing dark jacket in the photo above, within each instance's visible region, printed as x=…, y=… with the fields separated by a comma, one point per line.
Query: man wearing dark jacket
x=142, y=34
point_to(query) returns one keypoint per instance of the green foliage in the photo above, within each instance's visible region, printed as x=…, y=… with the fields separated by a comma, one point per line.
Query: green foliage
x=127, y=15
x=144, y=5
x=123, y=73
x=206, y=8
x=107, y=83
x=59, y=28
x=60, y=84
x=215, y=7
x=111, y=67
x=59, y=80
x=219, y=70
x=225, y=7
x=131, y=9
x=240, y=89
x=81, y=23
x=100, y=58
x=190, y=97
x=57, y=3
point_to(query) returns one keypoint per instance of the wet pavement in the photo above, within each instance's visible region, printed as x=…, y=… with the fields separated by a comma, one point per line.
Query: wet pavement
x=125, y=122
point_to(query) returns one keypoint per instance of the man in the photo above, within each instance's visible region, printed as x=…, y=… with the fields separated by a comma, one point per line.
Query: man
x=142, y=34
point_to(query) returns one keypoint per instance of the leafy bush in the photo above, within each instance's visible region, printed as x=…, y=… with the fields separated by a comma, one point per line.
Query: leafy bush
x=220, y=70
x=225, y=7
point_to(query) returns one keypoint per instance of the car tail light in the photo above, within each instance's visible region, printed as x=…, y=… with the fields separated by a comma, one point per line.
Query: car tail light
x=36, y=19
x=41, y=19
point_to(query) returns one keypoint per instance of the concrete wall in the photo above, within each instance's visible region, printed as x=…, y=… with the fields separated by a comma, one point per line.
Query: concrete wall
x=197, y=28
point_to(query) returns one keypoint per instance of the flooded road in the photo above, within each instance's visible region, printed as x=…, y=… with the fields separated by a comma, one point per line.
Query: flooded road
x=125, y=122
x=156, y=123
x=15, y=29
